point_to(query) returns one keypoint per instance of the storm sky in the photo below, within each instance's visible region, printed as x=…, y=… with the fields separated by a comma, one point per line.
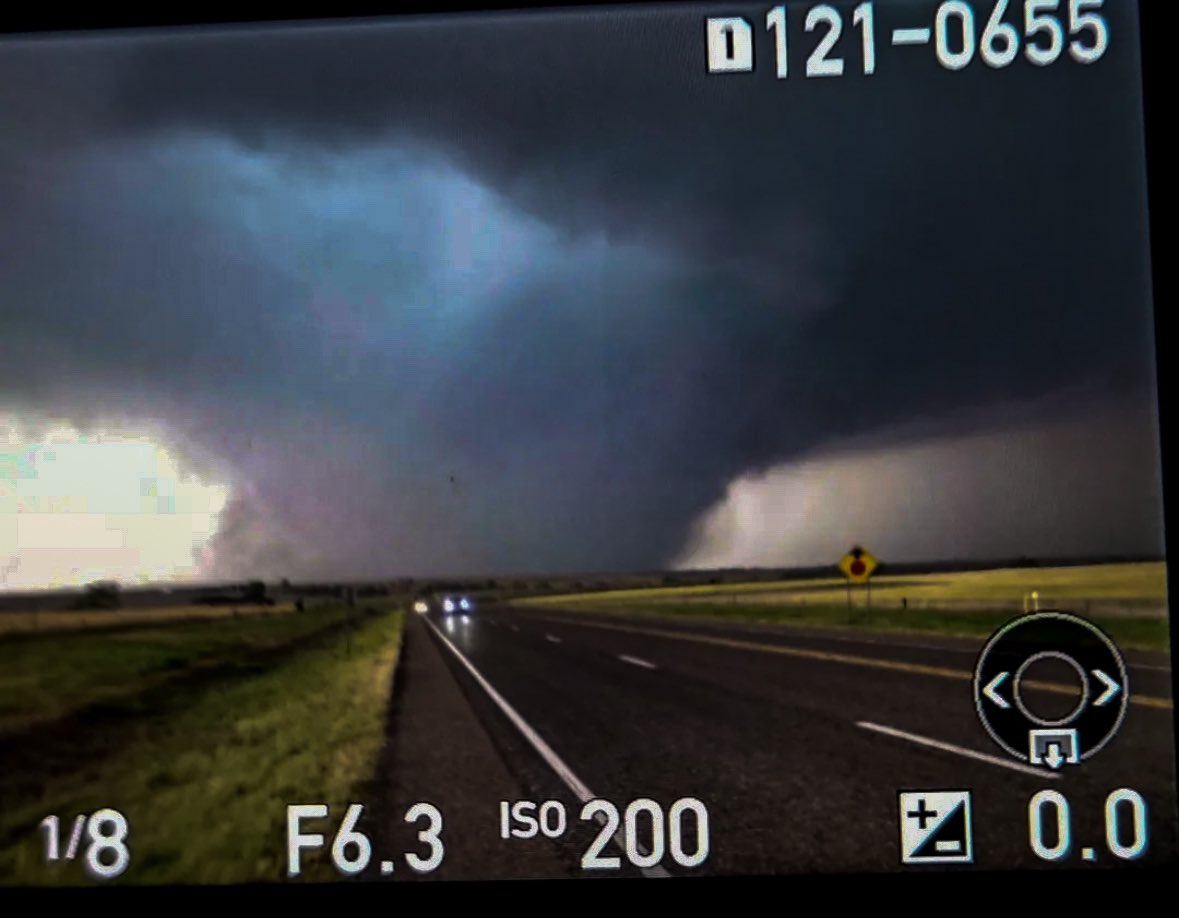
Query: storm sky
x=537, y=293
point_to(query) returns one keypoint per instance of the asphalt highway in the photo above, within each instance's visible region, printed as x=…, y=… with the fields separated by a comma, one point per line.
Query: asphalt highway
x=796, y=743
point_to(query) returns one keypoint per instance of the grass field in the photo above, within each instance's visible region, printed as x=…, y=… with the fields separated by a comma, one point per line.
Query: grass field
x=270, y=713
x=45, y=677
x=1144, y=581
x=978, y=602
x=35, y=622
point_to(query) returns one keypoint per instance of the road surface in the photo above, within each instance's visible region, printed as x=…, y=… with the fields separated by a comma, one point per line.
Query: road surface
x=797, y=743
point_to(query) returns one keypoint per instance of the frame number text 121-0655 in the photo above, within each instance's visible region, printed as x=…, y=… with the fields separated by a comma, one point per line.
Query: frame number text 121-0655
x=1042, y=31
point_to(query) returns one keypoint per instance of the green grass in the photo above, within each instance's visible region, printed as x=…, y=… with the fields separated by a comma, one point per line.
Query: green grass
x=46, y=676
x=1127, y=600
x=1146, y=582
x=28, y=621
x=1138, y=632
x=205, y=790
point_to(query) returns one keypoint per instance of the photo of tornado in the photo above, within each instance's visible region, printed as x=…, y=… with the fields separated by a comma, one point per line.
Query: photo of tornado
x=605, y=442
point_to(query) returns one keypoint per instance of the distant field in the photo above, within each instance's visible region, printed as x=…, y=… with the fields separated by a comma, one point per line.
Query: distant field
x=25, y=622
x=1145, y=582
x=1128, y=600
x=258, y=712
x=47, y=676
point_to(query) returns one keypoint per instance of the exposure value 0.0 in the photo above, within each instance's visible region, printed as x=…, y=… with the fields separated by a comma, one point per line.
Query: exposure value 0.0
x=1127, y=829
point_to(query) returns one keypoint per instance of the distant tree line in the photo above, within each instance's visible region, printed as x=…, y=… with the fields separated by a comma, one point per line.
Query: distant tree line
x=102, y=594
x=250, y=594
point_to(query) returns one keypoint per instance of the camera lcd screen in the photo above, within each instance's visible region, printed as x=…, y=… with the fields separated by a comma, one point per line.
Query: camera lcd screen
x=642, y=441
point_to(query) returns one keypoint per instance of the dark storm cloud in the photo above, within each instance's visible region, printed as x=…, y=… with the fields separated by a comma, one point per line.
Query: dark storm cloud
x=743, y=269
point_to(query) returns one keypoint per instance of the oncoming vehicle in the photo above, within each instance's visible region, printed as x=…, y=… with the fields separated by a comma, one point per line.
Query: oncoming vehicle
x=455, y=604
x=446, y=603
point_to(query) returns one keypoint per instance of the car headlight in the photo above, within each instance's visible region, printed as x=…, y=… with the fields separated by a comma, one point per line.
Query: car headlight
x=421, y=606
x=465, y=603
x=448, y=605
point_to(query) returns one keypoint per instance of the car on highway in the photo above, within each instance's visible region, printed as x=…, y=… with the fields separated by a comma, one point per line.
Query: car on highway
x=447, y=604
x=457, y=604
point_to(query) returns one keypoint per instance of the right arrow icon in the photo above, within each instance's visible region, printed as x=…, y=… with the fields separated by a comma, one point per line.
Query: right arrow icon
x=992, y=690
x=1111, y=688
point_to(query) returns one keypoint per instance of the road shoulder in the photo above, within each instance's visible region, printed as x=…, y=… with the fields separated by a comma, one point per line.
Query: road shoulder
x=438, y=752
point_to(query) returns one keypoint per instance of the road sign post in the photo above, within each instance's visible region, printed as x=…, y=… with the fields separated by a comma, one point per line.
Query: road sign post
x=857, y=566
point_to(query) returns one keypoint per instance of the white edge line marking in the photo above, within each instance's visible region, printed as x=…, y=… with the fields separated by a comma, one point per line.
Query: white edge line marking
x=553, y=638
x=563, y=771
x=635, y=661
x=910, y=36
x=957, y=750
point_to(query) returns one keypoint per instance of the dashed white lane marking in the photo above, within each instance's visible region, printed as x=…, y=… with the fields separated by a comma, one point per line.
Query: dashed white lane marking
x=829, y=656
x=957, y=750
x=563, y=771
x=553, y=638
x=514, y=627
x=890, y=641
x=635, y=661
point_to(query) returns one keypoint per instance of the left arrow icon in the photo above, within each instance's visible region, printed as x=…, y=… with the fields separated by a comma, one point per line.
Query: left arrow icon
x=992, y=690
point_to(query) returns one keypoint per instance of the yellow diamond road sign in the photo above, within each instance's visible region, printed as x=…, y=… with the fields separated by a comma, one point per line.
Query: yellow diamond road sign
x=858, y=564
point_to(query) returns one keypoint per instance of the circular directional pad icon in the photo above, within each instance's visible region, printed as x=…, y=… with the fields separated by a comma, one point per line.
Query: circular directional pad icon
x=1051, y=688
